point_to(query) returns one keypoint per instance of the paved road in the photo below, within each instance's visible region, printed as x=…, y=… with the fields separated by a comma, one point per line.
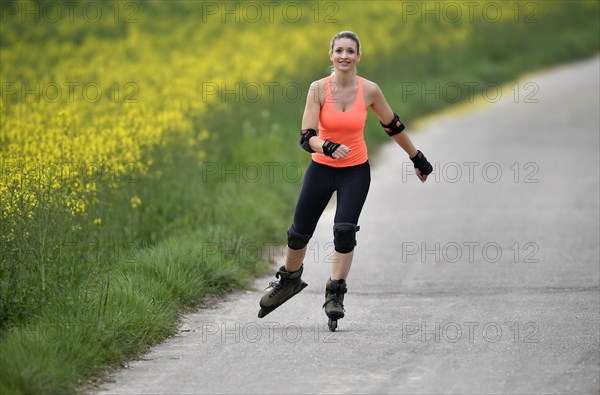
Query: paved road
x=483, y=280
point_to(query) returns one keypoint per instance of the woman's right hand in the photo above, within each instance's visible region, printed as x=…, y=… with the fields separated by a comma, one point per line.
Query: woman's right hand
x=341, y=152
x=335, y=150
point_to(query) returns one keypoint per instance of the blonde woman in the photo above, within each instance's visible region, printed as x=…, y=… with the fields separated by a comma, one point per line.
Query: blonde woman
x=333, y=132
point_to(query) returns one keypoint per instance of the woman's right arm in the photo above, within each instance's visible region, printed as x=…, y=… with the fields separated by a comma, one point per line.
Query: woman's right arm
x=310, y=119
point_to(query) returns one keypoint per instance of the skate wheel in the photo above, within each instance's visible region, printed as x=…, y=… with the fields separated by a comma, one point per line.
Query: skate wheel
x=332, y=324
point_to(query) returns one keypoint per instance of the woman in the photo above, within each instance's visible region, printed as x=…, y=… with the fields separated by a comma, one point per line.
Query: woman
x=337, y=107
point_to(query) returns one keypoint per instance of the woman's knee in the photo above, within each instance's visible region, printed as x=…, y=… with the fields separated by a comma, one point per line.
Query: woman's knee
x=344, y=236
x=297, y=241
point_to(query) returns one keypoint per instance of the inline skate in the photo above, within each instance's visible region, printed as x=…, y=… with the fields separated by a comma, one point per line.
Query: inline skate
x=280, y=291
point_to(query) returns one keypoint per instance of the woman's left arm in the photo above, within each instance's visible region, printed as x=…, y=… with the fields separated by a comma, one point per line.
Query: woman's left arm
x=383, y=110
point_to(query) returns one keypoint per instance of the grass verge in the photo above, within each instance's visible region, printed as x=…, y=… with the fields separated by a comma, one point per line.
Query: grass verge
x=136, y=306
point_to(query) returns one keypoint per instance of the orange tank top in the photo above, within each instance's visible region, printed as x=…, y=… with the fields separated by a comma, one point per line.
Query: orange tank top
x=343, y=127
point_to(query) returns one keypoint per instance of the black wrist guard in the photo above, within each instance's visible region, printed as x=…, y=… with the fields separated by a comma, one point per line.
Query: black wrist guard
x=305, y=135
x=329, y=147
x=391, y=128
x=421, y=163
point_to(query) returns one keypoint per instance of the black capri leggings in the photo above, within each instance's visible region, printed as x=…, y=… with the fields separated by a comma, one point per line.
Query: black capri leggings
x=320, y=181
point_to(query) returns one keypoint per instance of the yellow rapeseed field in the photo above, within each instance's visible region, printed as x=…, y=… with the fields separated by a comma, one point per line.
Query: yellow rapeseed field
x=87, y=99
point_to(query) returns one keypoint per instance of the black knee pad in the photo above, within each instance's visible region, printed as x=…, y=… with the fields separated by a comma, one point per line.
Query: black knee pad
x=344, y=236
x=297, y=241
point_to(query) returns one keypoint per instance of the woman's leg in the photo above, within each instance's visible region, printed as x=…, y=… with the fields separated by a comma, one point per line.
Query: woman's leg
x=294, y=259
x=341, y=265
x=351, y=195
x=317, y=187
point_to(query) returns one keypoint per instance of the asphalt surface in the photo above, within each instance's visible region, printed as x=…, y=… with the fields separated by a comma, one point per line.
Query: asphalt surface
x=485, y=279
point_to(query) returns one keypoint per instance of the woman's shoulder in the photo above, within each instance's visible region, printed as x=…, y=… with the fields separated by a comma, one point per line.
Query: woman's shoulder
x=318, y=88
x=319, y=83
x=369, y=86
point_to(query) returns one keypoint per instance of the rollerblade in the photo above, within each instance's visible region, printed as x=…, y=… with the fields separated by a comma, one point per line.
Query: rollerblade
x=278, y=292
x=334, y=302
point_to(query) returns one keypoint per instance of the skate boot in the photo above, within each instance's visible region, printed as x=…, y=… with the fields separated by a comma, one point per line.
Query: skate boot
x=334, y=302
x=278, y=292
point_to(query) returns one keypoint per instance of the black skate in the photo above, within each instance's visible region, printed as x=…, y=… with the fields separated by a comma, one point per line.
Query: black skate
x=334, y=302
x=279, y=292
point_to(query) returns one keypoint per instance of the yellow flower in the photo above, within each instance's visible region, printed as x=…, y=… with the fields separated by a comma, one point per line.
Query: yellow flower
x=97, y=221
x=204, y=135
x=135, y=201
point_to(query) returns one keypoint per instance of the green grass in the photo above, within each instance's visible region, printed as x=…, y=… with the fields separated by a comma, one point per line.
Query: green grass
x=136, y=305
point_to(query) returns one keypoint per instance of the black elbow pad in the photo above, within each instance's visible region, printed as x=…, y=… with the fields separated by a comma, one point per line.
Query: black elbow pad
x=305, y=135
x=391, y=128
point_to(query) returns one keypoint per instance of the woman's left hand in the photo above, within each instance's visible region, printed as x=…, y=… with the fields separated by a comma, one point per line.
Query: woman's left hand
x=422, y=166
x=422, y=177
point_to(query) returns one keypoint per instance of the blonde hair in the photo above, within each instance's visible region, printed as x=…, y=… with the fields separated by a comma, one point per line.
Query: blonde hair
x=346, y=34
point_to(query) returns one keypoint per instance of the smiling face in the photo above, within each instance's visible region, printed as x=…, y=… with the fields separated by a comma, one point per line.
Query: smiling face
x=344, y=54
